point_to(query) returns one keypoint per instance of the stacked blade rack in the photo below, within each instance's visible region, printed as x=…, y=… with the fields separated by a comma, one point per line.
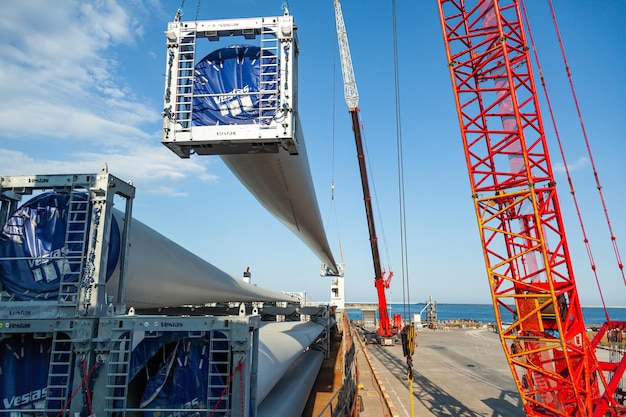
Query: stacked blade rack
x=89, y=329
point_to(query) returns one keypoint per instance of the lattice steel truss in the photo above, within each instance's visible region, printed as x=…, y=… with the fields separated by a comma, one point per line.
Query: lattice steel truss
x=519, y=218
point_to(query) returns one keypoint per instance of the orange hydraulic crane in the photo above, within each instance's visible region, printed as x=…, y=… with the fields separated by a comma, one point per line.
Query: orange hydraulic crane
x=351, y=95
x=556, y=367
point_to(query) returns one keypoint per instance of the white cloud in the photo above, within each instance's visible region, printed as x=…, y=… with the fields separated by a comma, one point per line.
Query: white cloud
x=157, y=174
x=580, y=163
x=67, y=107
x=68, y=64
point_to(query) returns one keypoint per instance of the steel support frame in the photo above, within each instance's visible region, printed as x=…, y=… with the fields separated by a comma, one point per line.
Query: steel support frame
x=264, y=136
x=96, y=366
x=101, y=188
x=518, y=213
x=78, y=320
x=94, y=329
x=241, y=334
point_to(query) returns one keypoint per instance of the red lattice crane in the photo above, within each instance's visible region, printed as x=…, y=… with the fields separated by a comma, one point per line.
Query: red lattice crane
x=556, y=367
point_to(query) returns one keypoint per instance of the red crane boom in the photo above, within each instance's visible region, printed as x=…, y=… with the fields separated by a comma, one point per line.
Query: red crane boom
x=384, y=324
x=351, y=94
x=519, y=218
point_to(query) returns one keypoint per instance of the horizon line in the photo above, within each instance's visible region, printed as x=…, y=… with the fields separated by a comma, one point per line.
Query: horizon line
x=449, y=303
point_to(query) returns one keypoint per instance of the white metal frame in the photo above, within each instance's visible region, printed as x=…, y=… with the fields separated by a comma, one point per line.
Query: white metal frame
x=93, y=334
x=89, y=298
x=277, y=36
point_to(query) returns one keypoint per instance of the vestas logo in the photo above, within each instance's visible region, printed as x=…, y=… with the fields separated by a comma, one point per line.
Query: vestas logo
x=17, y=400
x=48, y=267
x=236, y=102
x=233, y=94
x=195, y=403
x=57, y=253
x=17, y=325
x=20, y=312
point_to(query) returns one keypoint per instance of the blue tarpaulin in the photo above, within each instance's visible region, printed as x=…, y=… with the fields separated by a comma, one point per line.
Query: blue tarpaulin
x=24, y=363
x=181, y=379
x=227, y=84
x=34, y=239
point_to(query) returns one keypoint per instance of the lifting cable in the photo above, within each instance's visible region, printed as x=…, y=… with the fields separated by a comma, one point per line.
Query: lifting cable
x=408, y=332
x=562, y=152
x=584, y=132
x=408, y=349
x=180, y=13
x=401, y=196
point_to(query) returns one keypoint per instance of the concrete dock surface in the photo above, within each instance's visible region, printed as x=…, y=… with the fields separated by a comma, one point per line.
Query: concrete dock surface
x=460, y=373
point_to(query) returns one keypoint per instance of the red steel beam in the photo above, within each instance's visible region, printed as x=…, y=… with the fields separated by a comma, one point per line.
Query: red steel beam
x=519, y=218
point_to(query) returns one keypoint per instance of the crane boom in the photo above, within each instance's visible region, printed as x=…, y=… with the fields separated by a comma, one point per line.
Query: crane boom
x=527, y=257
x=350, y=92
x=352, y=100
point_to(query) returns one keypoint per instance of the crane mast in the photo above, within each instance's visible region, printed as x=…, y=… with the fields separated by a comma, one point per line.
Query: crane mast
x=351, y=95
x=519, y=218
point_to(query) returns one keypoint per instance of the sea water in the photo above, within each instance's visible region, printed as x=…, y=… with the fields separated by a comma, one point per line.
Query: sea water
x=483, y=313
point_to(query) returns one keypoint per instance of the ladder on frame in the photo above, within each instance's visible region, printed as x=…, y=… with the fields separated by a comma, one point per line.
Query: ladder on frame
x=118, y=375
x=60, y=372
x=269, y=77
x=183, y=109
x=74, y=251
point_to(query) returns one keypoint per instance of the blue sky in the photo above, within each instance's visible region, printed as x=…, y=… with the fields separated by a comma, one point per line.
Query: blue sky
x=82, y=84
